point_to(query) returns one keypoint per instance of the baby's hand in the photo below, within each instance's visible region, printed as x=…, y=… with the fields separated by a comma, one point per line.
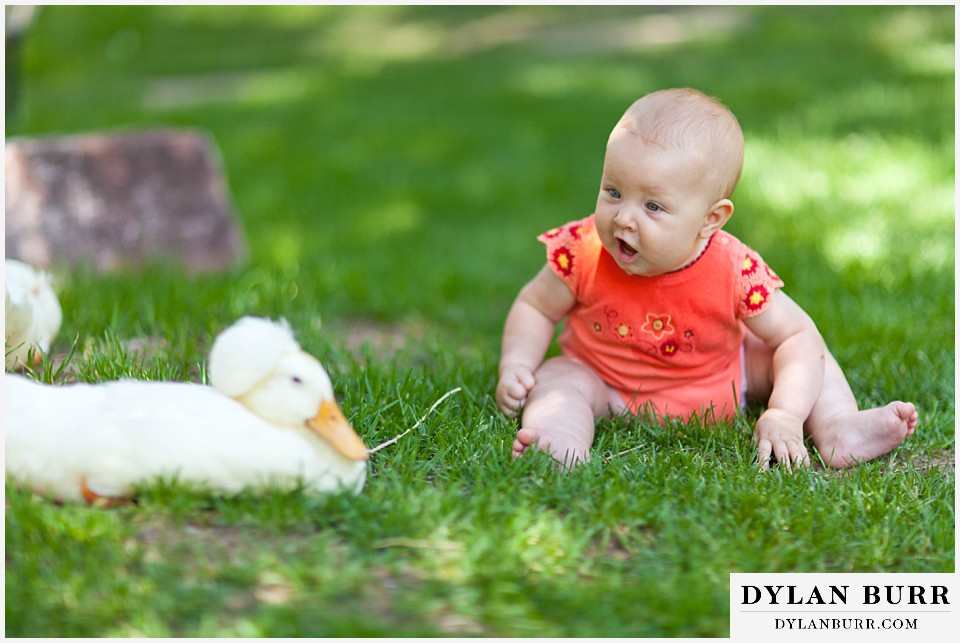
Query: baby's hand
x=515, y=383
x=780, y=434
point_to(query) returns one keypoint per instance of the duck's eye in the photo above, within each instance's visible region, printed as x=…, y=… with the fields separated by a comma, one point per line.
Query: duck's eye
x=296, y=380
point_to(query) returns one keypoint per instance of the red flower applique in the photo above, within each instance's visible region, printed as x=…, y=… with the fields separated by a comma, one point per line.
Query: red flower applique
x=550, y=234
x=669, y=348
x=657, y=325
x=575, y=230
x=749, y=265
x=562, y=258
x=756, y=298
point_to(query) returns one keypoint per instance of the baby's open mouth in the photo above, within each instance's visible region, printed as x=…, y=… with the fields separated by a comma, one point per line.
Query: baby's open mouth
x=626, y=248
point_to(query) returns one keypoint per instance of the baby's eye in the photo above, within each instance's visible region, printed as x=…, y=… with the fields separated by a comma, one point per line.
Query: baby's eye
x=653, y=207
x=614, y=192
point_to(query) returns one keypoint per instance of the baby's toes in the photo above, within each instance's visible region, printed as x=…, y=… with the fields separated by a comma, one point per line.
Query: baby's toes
x=907, y=413
x=527, y=437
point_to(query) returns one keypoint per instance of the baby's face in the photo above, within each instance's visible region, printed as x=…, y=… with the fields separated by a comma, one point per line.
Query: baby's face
x=652, y=206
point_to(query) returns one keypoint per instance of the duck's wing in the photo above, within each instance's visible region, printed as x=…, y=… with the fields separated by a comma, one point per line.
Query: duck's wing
x=184, y=431
x=117, y=435
x=43, y=429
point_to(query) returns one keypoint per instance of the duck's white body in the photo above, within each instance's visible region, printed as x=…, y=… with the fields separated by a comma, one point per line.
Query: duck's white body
x=32, y=314
x=86, y=441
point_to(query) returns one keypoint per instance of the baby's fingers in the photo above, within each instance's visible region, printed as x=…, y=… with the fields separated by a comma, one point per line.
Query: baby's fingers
x=790, y=455
x=526, y=380
x=800, y=457
x=509, y=405
x=782, y=453
x=787, y=454
x=510, y=397
x=764, y=451
x=516, y=390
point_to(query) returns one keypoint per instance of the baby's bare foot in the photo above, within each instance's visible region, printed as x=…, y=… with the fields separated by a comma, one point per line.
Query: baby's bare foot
x=564, y=448
x=864, y=435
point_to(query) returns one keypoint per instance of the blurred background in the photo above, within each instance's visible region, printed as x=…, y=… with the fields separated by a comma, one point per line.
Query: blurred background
x=395, y=163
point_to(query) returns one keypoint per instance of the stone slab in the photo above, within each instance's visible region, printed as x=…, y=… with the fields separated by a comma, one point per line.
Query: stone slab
x=120, y=201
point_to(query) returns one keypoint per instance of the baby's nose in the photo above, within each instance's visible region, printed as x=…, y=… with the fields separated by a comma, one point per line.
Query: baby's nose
x=625, y=220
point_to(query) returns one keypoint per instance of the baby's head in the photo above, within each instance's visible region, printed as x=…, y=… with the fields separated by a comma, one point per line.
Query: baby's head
x=671, y=164
x=693, y=124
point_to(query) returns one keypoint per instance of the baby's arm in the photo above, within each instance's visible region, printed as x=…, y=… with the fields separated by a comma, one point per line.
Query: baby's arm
x=527, y=334
x=798, y=363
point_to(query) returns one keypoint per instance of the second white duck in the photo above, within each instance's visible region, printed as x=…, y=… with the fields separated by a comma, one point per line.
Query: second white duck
x=32, y=314
x=269, y=418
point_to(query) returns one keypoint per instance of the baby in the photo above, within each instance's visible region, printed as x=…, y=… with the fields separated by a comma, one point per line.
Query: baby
x=667, y=314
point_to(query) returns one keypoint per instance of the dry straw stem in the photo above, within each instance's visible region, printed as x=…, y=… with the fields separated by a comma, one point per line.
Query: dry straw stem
x=617, y=455
x=414, y=543
x=419, y=422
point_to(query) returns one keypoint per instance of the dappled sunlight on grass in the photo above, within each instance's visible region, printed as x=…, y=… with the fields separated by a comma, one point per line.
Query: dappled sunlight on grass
x=284, y=245
x=253, y=87
x=910, y=37
x=544, y=544
x=364, y=41
x=292, y=16
x=854, y=107
x=655, y=29
x=557, y=79
x=376, y=224
x=885, y=204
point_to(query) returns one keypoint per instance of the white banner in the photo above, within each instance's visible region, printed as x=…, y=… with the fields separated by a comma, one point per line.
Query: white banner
x=844, y=607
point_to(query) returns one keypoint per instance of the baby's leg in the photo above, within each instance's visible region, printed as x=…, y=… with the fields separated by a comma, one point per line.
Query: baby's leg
x=560, y=411
x=843, y=434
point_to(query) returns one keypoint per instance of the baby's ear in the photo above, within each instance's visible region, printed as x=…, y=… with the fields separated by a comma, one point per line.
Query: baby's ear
x=720, y=212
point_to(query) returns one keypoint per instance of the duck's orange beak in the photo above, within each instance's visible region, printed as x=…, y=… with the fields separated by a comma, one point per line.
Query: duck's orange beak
x=331, y=425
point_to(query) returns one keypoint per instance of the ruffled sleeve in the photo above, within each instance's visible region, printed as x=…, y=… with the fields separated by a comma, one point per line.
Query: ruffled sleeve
x=755, y=285
x=564, y=250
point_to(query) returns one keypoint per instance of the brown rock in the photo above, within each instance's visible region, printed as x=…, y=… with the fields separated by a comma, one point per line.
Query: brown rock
x=120, y=201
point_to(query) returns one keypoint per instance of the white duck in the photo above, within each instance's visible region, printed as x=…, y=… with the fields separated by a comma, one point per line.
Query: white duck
x=32, y=313
x=269, y=418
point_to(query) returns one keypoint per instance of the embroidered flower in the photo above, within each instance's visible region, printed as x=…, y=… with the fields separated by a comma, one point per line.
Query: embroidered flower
x=575, y=230
x=562, y=258
x=749, y=265
x=657, y=325
x=623, y=331
x=756, y=298
x=669, y=348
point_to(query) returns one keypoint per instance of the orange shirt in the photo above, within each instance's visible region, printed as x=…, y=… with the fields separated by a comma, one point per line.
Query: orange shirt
x=673, y=340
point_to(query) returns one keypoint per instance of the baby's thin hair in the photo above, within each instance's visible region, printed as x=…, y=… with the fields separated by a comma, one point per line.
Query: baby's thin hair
x=688, y=120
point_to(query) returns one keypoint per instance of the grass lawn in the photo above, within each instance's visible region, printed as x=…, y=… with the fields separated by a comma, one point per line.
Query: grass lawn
x=392, y=167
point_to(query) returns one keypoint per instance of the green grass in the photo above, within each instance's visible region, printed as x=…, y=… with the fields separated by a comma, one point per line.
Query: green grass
x=392, y=167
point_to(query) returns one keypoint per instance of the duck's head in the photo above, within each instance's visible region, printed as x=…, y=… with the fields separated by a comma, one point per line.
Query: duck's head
x=259, y=363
